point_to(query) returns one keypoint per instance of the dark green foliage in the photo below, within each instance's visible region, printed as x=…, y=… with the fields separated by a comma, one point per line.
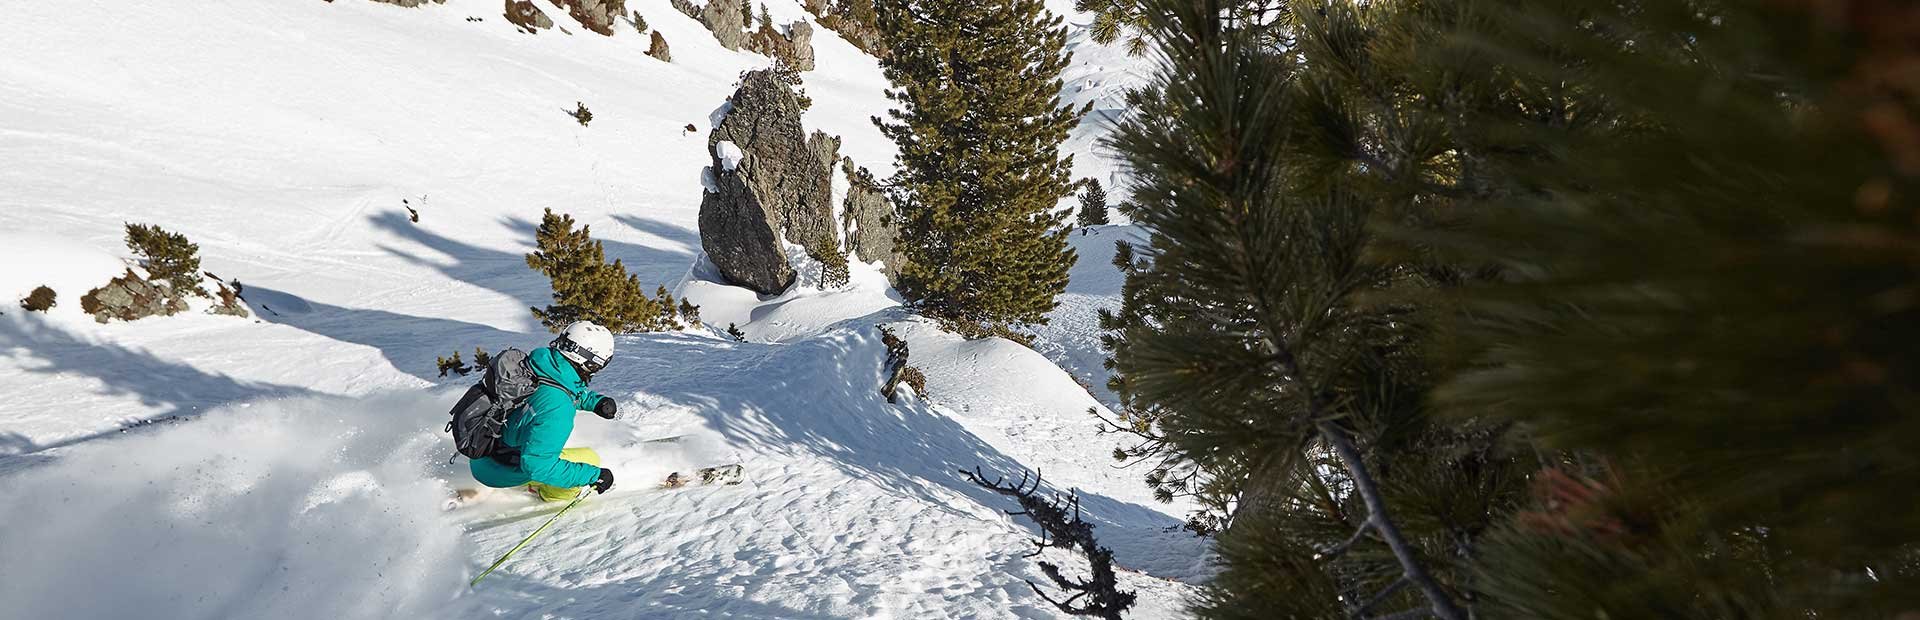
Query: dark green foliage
x=1117, y=19
x=1252, y=360
x=1717, y=291
x=978, y=127
x=581, y=113
x=1617, y=302
x=587, y=288
x=733, y=331
x=766, y=17
x=167, y=257
x=481, y=359
x=835, y=271
x=40, y=300
x=639, y=23
x=1093, y=204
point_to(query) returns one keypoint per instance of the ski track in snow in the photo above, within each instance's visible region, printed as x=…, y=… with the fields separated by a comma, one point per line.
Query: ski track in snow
x=293, y=466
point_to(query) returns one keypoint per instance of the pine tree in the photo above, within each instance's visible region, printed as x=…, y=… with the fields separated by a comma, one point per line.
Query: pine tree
x=1261, y=355
x=1093, y=204
x=167, y=256
x=586, y=287
x=979, y=125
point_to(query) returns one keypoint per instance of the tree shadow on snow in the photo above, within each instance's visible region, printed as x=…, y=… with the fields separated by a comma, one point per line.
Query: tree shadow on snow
x=410, y=343
x=178, y=391
x=505, y=271
x=821, y=396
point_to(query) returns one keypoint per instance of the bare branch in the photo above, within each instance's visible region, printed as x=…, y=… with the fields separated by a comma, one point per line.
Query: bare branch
x=1061, y=529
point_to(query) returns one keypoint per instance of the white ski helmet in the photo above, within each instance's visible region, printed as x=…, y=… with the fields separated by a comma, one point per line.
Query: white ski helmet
x=587, y=345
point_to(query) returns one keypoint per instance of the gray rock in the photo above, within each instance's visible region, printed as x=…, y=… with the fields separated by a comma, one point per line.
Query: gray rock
x=410, y=3
x=131, y=297
x=800, y=45
x=872, y=230
x=783, y=186
x=724, y=18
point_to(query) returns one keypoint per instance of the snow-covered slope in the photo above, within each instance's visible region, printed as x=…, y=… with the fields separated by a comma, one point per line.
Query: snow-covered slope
x=297, y=466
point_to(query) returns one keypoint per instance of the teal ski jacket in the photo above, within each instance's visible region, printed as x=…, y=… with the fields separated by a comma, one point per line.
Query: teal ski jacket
x=540, y=429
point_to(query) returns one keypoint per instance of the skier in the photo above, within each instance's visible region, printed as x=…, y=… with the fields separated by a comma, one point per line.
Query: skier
x=536, y=435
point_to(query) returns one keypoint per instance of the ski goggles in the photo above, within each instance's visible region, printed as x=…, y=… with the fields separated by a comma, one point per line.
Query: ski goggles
x=593, y=362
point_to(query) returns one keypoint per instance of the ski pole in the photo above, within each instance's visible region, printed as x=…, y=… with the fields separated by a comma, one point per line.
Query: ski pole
x=529, y=538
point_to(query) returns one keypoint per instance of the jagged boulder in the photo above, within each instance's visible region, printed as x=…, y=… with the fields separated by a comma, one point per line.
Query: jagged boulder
x=769, y=181
x=657, y=48
x=727, y=19
x=868, y=218
x=131, y=297
x=595, y=15
x=528, y=17
x=793, y=47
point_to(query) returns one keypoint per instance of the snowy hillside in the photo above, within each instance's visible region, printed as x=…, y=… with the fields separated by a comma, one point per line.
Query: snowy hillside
x=292, y=465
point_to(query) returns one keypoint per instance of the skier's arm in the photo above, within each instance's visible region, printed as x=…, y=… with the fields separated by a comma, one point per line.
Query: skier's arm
x=546, y=436
x=589, y=399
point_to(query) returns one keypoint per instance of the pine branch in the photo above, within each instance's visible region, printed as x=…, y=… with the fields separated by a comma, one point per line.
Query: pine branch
x=1101, y=590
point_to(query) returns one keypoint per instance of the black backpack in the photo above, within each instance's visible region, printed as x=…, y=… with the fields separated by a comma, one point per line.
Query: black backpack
x=482, y=413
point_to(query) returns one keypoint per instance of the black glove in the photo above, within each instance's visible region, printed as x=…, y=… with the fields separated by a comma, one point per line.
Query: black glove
x=604, y=482
x=604, y=409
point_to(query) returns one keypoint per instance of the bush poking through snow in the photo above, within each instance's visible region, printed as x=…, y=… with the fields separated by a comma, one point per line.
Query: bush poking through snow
x=898, y=371
x=453, y=365
x=230, y=302
x=581, y=113
x=834, y=270
x=168, y=257
x=40, y=300
x=639, y=23
x=586, y=287
x=690, y=313
x=733, y=331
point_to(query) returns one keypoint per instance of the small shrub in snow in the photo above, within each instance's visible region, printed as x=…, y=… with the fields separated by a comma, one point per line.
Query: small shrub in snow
x=912, y=376
x=639, y=23
x=168, y=257
x=40, y=300
x=733, y=331
x=581, y=113
x=453, y=365
x=898, y=371
x=586, y=287
x=690, y=313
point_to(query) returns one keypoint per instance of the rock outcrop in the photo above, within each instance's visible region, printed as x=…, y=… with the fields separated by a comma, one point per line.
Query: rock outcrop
x=869, y=220
x=528, y=17
x=727, y=19
x=657, y=48
x=769, y=182
x=596, y=15
x=131, y=297
x=793, y=47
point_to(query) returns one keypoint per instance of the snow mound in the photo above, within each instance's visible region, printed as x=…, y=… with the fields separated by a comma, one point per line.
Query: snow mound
x=729, y=155
x=69, y=267
x=308, y=508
